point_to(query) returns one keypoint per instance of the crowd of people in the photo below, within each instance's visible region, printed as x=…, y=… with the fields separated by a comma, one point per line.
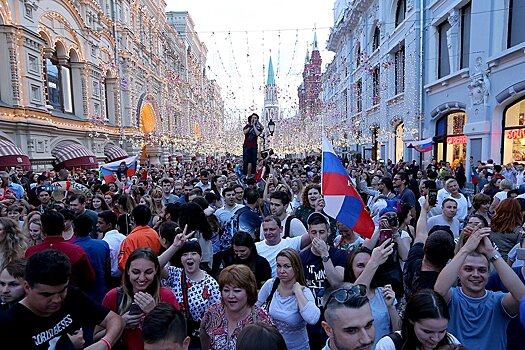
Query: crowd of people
x=213, y=254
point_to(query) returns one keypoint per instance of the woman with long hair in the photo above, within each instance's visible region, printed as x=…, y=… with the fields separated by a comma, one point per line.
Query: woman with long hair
x=157, y=205
x=473, y=221
x=98, y=203
x=126, y=204
x=492, y=187
x=13, y=243
x=217, y=185
x=32, y=229
x=156, y=219
x=361, y=269
x=296, y=187
x=311, y=194
x=246, y=254
x=139, y=294
x=191, y=214
x=222, y=322
x=288, y=301
x=506, y=226
x=424, y=325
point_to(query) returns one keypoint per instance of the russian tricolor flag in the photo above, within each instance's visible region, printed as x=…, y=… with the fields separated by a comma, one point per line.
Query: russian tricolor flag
x=108, y=170
x=422, y=146
x=343, y=203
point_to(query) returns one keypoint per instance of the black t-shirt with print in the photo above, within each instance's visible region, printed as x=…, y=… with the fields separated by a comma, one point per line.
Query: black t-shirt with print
x=20, y=328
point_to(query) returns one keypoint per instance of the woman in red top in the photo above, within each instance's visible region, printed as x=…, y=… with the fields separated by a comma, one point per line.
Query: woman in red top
x=140, y=293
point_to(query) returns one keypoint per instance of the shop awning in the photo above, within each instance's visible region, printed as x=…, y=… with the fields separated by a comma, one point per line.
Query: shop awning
x=71, y=155
x=12, y=155
x=114, y=153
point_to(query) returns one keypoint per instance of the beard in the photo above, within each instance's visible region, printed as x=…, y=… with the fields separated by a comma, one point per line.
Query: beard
x=340, y=346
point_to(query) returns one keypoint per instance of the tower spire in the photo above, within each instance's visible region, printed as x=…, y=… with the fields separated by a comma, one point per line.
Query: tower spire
x=315, y=48
x=271, y=77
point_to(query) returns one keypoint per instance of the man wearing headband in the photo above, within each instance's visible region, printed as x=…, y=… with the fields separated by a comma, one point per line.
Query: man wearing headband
x=348, y=322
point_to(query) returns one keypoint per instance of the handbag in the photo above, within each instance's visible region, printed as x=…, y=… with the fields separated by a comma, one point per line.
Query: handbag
x=266, y=305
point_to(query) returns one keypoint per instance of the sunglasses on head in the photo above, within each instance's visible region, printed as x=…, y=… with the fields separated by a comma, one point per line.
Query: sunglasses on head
x=342, y=295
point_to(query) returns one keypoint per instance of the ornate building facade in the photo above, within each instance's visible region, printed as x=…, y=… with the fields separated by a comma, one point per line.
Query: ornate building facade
x=101, y=74
x=474, y=83
x=371, y=98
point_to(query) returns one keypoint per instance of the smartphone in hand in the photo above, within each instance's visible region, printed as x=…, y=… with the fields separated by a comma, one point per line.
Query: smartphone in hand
x=432, y=197
x=134, y=309
x=384, y=234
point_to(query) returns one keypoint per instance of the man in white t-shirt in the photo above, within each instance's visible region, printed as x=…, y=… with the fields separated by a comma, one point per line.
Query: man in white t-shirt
x=279, y=201
x=273, y=242
x=452, y=191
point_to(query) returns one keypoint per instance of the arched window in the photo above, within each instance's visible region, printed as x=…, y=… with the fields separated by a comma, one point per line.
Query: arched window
x=398, y=150
x=400, y=11
x=450, y=140
x=58, y=80
x=376, y=39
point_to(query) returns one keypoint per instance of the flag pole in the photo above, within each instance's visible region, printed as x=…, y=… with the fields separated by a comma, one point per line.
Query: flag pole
x=322, y=156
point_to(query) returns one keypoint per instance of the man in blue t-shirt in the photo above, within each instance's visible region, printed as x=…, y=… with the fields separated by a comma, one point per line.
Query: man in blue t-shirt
x=515, y=330
x=477, y=316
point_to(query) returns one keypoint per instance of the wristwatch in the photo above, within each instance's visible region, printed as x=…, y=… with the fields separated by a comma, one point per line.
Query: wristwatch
x=494, y=257
x=325, y=258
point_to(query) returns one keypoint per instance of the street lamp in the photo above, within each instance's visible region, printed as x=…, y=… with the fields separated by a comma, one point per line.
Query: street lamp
x=271, y=127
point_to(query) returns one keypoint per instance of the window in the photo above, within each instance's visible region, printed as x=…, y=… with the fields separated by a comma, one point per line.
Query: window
x=514, y=133
x=359, y=96
x=345, y=102
x=465, y=35
x=53, y=84
x=32, y=63
x=399, y=59
x=375, y=86
x=376, y=39
x=443, y=63
x=450, y=140
x=516, y=34
x=358, y=55
x=399, y=142
x=400, y=11
x=35, y=93
x=58, y=82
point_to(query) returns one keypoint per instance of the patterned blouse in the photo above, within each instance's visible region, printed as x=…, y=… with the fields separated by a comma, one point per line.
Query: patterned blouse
x=216, y=326
x=201, y=294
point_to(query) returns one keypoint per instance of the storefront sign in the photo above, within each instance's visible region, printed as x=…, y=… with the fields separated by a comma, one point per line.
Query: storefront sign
x=515, y=134
x=455, y=140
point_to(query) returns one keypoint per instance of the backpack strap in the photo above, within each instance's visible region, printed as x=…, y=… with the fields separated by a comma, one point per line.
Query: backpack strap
x=287, y=225
x=120, y=295
x=270, y=296
x=396, y=339
x=184, y=288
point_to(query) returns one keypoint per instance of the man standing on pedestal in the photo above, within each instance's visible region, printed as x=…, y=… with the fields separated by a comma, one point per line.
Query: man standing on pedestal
x=249, y=148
